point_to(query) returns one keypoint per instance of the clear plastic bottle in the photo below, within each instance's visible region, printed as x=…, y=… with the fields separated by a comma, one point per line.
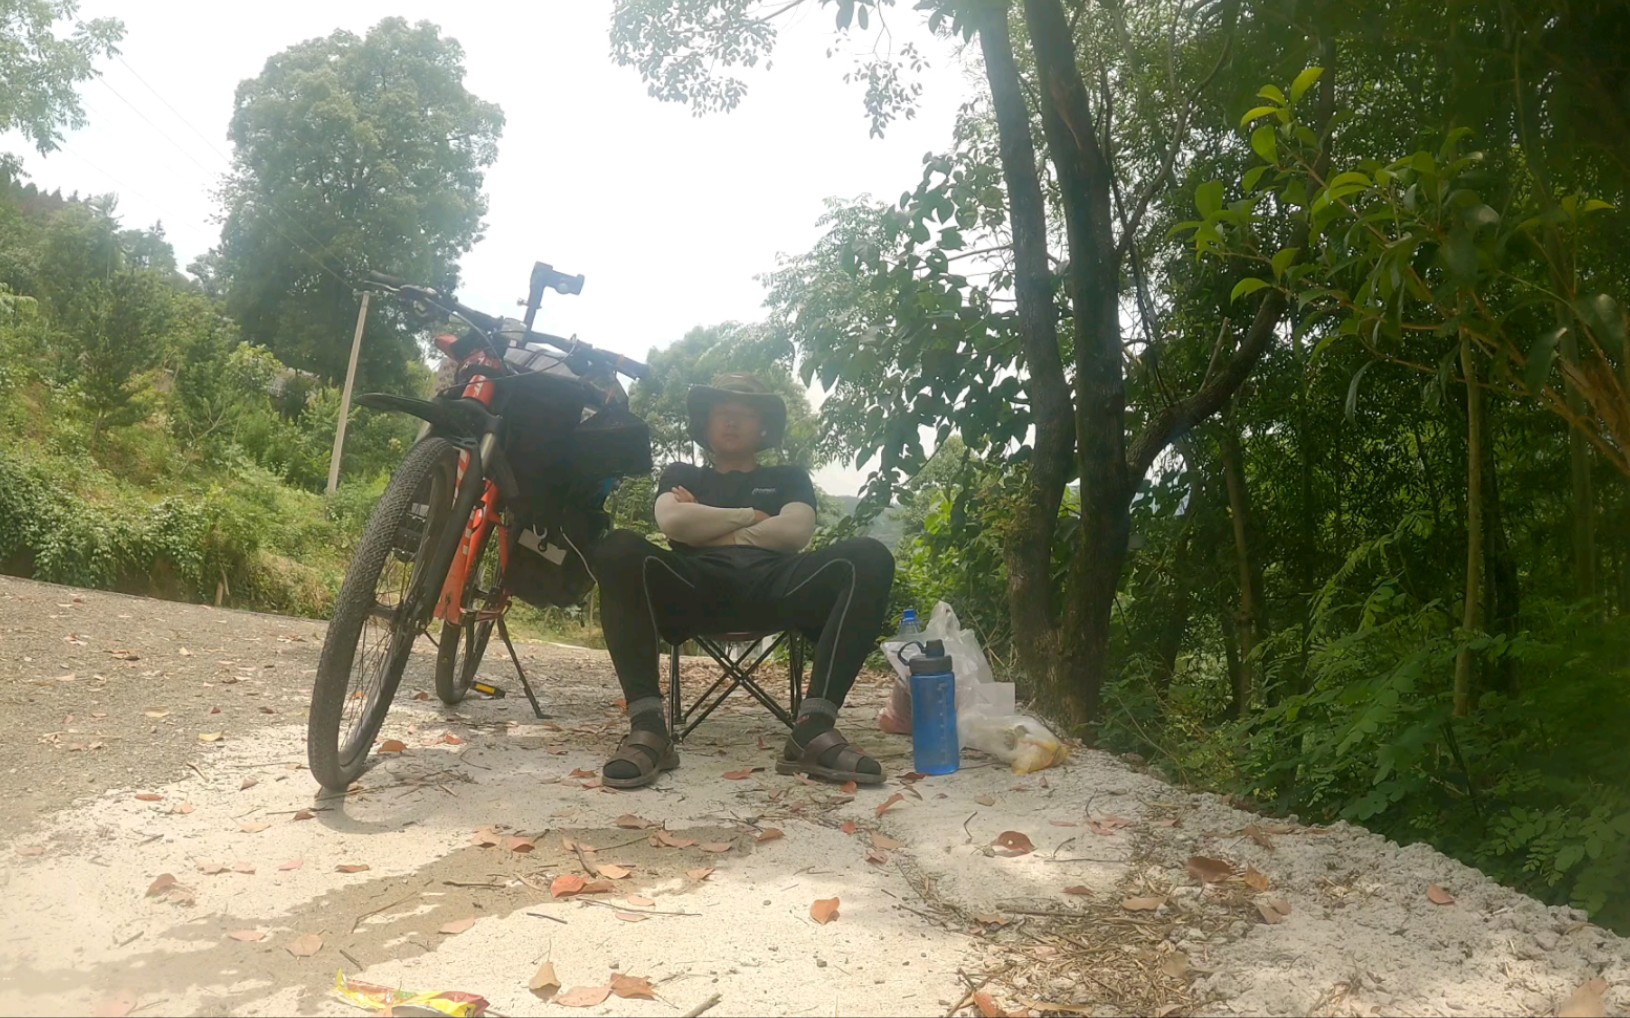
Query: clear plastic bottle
x=909, y=629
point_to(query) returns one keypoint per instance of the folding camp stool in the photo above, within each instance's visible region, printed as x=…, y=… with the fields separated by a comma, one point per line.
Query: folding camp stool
x=741, y=656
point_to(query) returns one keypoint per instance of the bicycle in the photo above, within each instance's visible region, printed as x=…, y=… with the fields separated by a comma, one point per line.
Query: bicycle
x=528, y=441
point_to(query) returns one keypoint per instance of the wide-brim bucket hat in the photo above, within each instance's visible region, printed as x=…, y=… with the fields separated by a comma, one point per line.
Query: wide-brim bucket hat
x=737, y=388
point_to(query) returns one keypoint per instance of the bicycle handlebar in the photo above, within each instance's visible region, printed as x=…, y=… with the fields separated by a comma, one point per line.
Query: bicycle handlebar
x=492, y=327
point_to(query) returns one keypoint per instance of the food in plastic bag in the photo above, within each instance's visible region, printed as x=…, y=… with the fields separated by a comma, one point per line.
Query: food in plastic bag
x=1021, y=742
x=385, y=1000
x=968, y=661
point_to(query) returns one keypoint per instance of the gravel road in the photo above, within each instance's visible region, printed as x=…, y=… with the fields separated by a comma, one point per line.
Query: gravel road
x=167, y=853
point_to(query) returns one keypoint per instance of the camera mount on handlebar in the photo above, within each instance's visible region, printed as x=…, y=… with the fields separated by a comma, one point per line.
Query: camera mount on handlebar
x=545, y=277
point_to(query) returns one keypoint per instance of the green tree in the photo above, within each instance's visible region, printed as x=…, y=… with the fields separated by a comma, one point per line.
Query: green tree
x=41, y=67
x=115, y=330
x=350, y=152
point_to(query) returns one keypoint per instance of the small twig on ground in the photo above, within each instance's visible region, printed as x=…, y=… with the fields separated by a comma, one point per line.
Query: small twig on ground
x=703, y=1006
x=551, y=918
x=965, y=826
x=149, y=1004
x=636, y=911
x=383, y=908
x=196, y=771
x=350, y=957
x=475, y=883
x=132, y=938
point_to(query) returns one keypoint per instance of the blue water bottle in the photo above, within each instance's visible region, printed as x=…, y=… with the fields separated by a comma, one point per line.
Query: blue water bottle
x=933, y=712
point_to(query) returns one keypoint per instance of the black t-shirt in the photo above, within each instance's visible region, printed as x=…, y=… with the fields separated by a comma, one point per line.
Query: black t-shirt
x=766, y=489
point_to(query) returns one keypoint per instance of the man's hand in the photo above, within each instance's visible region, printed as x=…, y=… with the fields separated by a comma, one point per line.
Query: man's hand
x=682, y=495
x=759, y=516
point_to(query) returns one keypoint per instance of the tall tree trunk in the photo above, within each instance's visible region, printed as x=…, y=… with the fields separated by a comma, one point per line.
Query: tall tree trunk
x=1174, y=620
x=1252, y=621
x=1584, y=517
x=1500, y=584
x=1307, y=543
x=1100, y=389
x=1472, y=618
x=1028, y=546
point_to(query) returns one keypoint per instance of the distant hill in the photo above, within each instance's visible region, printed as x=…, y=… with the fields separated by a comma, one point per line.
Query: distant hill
x=889, y=526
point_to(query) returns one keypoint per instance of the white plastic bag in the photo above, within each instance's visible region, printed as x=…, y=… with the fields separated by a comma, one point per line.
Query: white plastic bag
x=977, y=690
x=1021, y=742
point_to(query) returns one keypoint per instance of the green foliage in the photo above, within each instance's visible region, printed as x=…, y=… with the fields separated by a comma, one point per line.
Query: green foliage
x=351, y=152
x=41, y=68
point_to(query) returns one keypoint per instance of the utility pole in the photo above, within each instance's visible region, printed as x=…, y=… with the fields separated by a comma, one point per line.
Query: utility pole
x=345, y=397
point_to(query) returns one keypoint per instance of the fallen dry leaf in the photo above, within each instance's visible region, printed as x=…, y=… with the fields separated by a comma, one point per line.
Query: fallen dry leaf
x=393, y=746
x=487, y=838
x=884, y=843
x=699, y=874
x=890, y=801
x=824, y=910
x=611, y=871
x=1164, y=822
x=631, y=917
x=666, y=840
x=125, y=655
x=162, y=884
x=1438, y=896
x=769, y=834
x=248, y=783
x=155, y=714
x=631, y=822
x=1258, y=835
x=304, y=814
x=452, y=740
x=849, y=788
x=31, y=850
x=985, y=800
x=990, y=919
x=247, y=936
x=210, y=736
x=1586, y=1002
x=1208, y=870
x=1064, y=823
x=352, y=867
x=632, y=987
x=1142, y=904
x=988, y=1008
x=581, y=773
x=421, y=695
x=738, y=775
x=1175, y=965
x=210, y=869
x=457, y=926
x=584, y=996
x=183, y=809
x=149, y=797
x=566, y=885
x=306, y=946
x=715, y=847
x=1255, y=879
x=1107, y=825
x=639, y=901
x=1077, y=889
x=848, y=827
x=254, y=828
x=876, y=858
x=1274, y=912
x=519, y=846
x=1013, y=843
x=292, y=864
x=244, y=868
x=544, y=984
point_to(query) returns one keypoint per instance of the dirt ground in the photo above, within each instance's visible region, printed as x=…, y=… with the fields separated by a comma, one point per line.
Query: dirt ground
x=167, y=853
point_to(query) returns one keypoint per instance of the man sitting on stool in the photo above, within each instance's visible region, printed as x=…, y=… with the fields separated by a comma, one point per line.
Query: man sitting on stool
x=738, y=532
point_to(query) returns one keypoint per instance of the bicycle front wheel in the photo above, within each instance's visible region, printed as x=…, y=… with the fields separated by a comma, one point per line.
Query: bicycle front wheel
x=377, y=615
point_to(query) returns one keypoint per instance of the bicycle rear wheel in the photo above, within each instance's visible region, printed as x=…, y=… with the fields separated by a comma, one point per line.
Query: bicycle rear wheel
x=379, y=612
x=462, y=646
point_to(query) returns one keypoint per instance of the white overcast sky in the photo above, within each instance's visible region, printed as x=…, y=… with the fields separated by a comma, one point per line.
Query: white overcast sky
x=670, y=216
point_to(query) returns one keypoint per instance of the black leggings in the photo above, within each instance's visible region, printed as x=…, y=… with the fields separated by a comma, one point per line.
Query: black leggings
x=837, y=597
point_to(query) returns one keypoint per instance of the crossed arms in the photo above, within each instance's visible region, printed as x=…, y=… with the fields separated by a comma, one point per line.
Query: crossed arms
x=687, y=521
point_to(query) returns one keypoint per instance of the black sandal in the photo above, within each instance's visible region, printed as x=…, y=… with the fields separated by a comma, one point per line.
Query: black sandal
x=633, y=749
x=796, y=759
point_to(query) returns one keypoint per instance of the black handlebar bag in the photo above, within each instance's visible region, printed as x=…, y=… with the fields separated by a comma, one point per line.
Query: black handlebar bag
x=569, y=443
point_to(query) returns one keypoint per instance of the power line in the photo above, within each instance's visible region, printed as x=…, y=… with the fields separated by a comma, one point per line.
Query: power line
x=270, y=208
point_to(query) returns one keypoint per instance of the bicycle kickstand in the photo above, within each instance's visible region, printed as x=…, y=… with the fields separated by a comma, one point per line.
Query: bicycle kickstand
x=503, y=631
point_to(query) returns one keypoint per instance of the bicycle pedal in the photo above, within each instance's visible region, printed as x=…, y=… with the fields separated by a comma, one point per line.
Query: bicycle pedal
x=488, y=689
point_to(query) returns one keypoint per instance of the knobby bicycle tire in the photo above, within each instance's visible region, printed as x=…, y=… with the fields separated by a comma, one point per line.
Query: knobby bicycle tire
x=335, y=765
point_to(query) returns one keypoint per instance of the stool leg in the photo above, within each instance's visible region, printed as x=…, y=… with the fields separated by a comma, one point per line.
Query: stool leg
x=674, y=715
x=797, y=655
